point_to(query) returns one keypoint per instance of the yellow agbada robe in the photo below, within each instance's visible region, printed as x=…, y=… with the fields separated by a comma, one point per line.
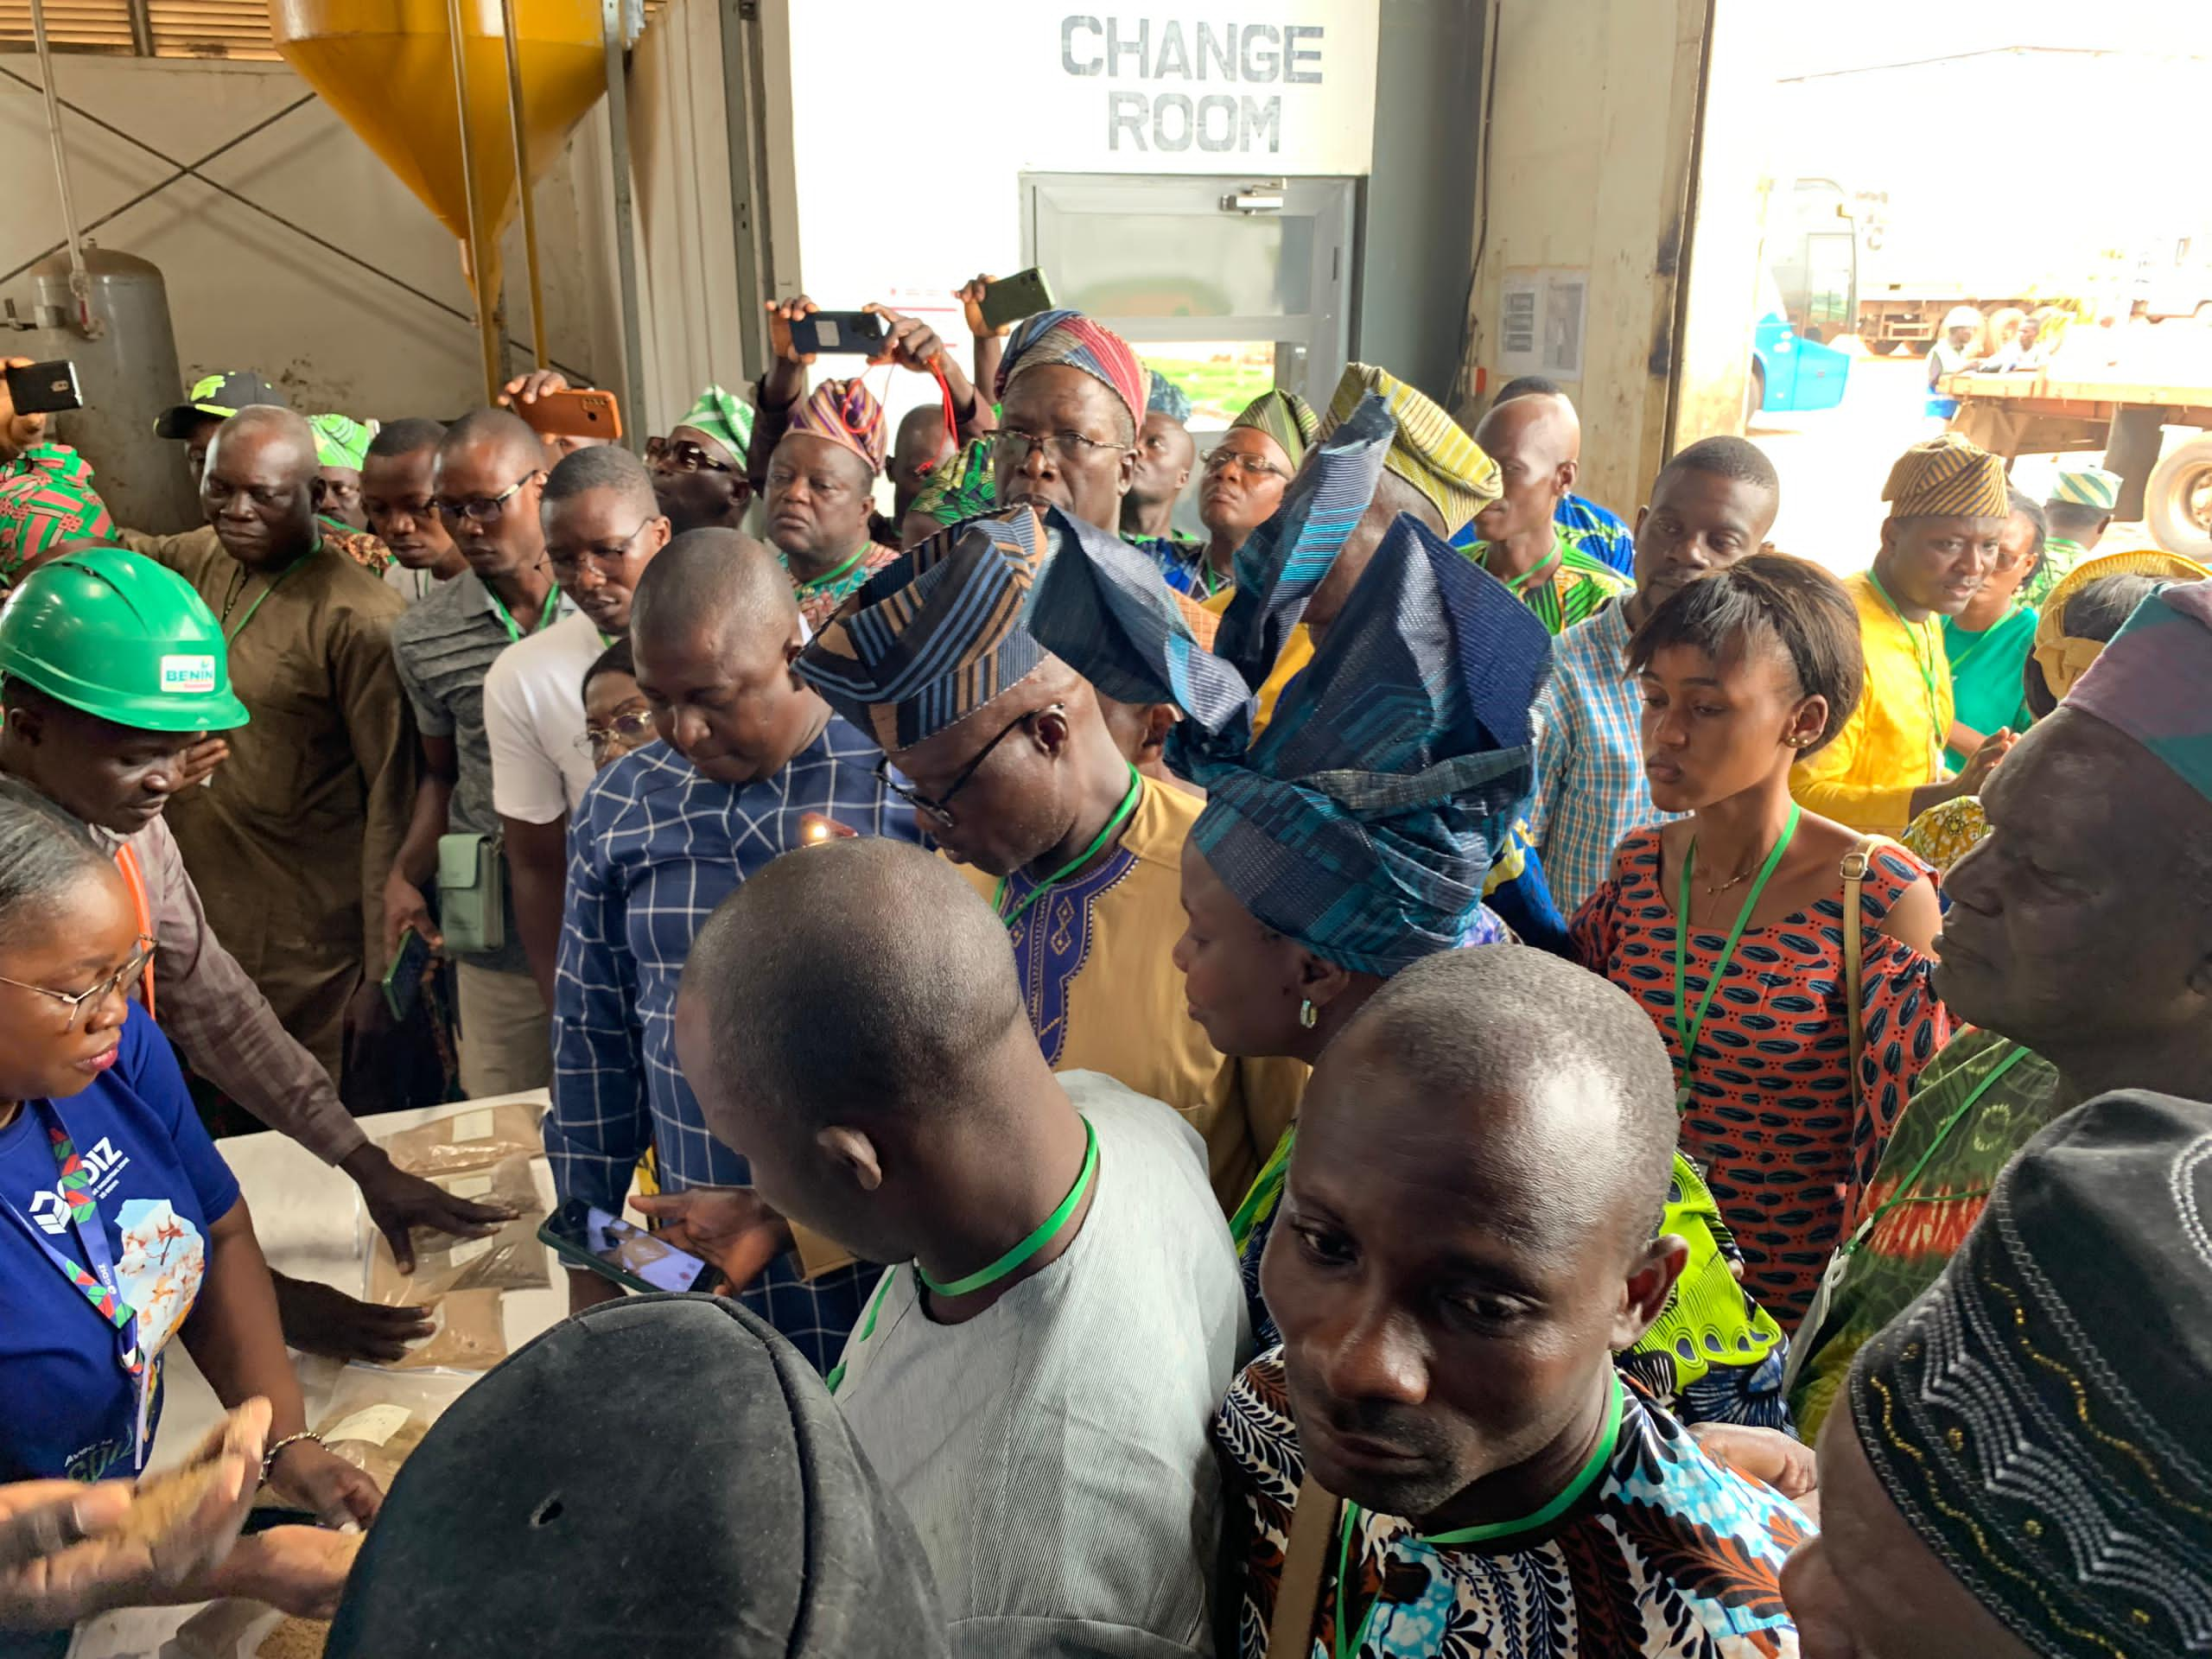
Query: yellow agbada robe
x=1093, y=956
x=1893, y=742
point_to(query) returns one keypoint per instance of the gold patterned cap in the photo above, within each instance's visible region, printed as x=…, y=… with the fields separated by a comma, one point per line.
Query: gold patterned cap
x=2064, y=657
x=2038, y=1416
x=1948, y=477
x=1430, y=451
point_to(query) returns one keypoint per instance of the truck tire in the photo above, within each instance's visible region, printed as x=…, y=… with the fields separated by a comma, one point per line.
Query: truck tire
x=1754, y=394
x=2177, y=501
x=1884, y=348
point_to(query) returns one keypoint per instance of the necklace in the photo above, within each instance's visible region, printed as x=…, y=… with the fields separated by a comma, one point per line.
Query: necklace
x=1046, y=1231
x=506, y=617
x=1121, y=816
x=1609, y=1439
x=1687, y=1030
x=807, y=585
x=1923, y=658
x=231, y=634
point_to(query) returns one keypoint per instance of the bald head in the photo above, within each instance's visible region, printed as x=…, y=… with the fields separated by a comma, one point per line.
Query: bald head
x=860, y=980
x=280, y=434
x=257, y=488
x=1536, y=441
x=498, y=437
x=711, y=582
x=1515, y=1032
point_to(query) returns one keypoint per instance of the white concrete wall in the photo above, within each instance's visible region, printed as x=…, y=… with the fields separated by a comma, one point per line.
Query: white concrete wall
x=245, y=291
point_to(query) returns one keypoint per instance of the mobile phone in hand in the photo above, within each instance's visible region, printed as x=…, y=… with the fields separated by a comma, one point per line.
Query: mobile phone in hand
x=44, y=388
x=403, y=981
x=832, y=333
x=573, y=412
x=1010, y=299
x=591, y=1237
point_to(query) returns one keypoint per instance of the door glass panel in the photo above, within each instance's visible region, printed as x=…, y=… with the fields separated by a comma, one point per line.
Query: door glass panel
x=1219, y=377
x=1178, y=264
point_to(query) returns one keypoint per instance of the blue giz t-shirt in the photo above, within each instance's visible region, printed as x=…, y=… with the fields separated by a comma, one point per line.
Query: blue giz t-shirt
x=159, y=1182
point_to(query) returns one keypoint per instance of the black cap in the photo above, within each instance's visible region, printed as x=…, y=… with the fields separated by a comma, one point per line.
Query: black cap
x=662, y=1476
x=219, y=395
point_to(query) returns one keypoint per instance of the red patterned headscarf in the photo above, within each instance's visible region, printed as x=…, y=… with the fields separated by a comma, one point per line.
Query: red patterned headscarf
x=846, y=412
x=1069, y=338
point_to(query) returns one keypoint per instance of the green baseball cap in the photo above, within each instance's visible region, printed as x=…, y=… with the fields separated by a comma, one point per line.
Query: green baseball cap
x=121, y=637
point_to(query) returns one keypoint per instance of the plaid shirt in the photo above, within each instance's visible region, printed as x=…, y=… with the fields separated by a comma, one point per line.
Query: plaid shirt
x=653, y=848
x=1591, y=789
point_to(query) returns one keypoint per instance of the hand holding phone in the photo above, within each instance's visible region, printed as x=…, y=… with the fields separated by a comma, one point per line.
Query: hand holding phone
x=818, y=333
x=591, y=1237
x=45, y=388
x=573, y=412
x=1006, y=300
x=403, y=981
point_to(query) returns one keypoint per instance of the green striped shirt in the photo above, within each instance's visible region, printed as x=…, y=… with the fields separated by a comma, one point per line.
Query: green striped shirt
x=1571, y=588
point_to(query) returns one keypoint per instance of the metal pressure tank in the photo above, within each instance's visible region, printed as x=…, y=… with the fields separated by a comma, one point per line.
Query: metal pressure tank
x=127, y=375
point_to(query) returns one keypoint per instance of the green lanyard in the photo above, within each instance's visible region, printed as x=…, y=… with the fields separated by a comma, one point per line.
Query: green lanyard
x=1923, y=658
x=812, y=585
x=506, y=617
x=1688, y=1033
x=1543, y=567
x=1608, y=1440
x=1904, y=1193
x=1046, y=1231
x=275, y=581
x=1122, y=815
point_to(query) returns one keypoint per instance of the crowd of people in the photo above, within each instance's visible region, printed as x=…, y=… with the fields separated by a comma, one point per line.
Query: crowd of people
x=1368, y=1082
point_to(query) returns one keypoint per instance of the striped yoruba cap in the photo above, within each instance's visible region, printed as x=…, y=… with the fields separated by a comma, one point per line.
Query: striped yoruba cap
x=1430, y=451
x=2088, y=486
x=1948, y=477
x=935, y=634
x=2038, y=1416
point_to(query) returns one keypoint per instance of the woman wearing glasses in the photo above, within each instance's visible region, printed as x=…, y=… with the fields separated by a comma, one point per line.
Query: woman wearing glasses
x=120, y=1227
x=1244, y=477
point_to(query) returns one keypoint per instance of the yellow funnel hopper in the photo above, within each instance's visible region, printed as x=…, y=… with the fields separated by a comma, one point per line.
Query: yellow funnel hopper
x=387, y=67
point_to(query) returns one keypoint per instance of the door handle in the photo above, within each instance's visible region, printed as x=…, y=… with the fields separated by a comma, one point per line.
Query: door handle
x=1254, y=199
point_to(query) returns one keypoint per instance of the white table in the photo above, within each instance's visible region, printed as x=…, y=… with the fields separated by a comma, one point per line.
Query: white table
x=312, y=1225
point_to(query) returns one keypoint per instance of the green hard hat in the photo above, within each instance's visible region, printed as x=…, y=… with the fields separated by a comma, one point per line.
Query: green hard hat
x=120, y=637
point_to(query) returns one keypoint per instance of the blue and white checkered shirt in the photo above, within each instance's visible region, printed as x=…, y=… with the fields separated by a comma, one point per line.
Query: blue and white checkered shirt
x=653, y=848
x=1591, y=789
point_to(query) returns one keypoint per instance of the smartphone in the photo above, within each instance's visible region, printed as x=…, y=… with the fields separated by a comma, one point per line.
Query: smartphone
x=44, y=388
x=574, y=412
x=585, y=1235
x=403, y=981
x=831, y=333
x=1010, y=299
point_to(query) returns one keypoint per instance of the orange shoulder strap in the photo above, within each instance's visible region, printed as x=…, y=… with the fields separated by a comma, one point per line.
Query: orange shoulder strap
x=127, y=862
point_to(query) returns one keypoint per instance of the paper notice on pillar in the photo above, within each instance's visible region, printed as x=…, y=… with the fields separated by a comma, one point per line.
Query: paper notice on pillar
x=1191, y=89
x=1541, y=319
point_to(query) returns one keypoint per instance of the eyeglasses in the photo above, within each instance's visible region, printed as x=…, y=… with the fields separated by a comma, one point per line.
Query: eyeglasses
x=1220, y=461
x=941, y=810
x=1069, y=448
x=483, y=509
x=77, y=1002
x=631, y=727
x=681, y=455
x=568, y=563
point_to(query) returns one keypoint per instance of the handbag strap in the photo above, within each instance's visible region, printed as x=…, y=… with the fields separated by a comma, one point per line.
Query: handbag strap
x=1306, y=1559
x=1855, y=864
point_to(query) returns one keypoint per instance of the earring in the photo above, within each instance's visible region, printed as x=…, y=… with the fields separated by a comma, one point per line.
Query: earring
x=1308, y=1013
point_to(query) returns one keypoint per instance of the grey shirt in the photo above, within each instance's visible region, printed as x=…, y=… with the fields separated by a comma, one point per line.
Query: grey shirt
x=1052, y=1452
x=444, y=646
